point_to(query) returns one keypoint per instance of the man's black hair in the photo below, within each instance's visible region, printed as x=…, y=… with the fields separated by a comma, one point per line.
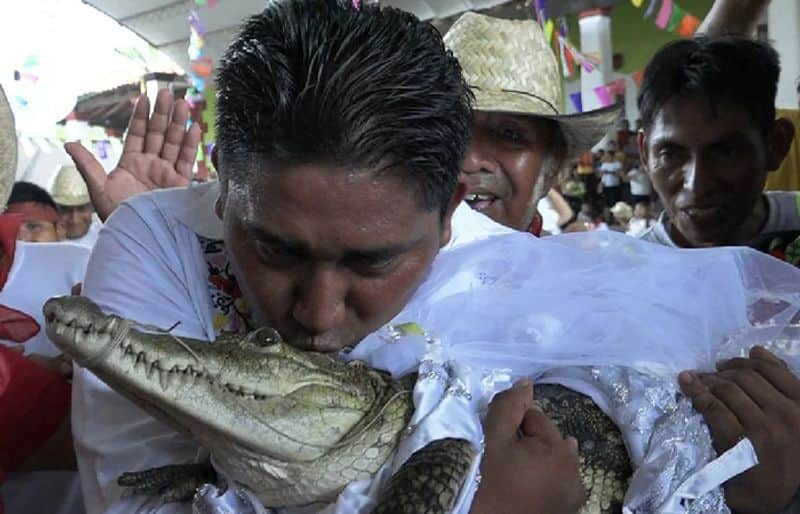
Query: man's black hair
x=317, y=81
x=728, y=71
x=29, y=192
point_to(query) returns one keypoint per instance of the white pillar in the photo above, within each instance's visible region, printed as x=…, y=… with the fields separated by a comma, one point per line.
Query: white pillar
x=784, y=31
x=595, y=28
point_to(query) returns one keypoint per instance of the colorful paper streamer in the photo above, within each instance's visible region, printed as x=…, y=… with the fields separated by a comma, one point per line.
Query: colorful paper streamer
x=577, y=101
x=664, y=14
x=650, y=9
x=675, y=18
x=603, y=95
x=688, y=26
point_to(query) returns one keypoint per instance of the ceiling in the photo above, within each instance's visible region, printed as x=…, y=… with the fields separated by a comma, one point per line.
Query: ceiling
x=164, y=23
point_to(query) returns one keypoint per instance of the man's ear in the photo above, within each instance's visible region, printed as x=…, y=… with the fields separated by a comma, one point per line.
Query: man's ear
x=219, y=205
x=644, y=152
x=782, y=138
x=447, y=217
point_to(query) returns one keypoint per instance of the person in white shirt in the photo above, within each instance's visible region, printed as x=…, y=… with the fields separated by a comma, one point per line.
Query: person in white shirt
x=641, y=220
x=328, y=235
x=610, y=179
x=641, y=188
x=75, y=209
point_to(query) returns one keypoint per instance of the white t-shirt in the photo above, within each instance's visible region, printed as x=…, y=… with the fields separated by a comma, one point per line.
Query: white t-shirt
x=549, y=216
x=638, y=226
x=39, y=272
x=610, y=170
x=640, y=183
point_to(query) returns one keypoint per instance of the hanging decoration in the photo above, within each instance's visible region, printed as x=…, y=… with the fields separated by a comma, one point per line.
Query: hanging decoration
x=577, y=101
x=671, y=17
x=557, y=35
x=200, y=65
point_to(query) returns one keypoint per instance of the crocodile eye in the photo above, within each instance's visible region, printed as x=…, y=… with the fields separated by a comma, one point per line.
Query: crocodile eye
x=264, y=337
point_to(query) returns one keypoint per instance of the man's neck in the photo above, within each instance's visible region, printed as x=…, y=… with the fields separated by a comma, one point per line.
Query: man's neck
x=747, y=233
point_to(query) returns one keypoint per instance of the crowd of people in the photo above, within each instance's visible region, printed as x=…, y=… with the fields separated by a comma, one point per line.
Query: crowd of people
x=334, y=204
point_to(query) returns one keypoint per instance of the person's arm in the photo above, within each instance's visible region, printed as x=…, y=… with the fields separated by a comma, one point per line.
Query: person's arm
x=733, y=17
x=528, y=467
x=565, y=212
x=758, y=398
x=135, y=273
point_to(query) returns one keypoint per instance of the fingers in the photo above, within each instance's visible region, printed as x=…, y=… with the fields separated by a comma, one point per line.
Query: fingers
x=507, y=410
x=724, y=425
x=159, y=121
x=89, y=167
x=536, y=424
x=756, y=387
x=774, y=370
x=175, y=132
x=137, y=127
x=759, y=352
x=188, y=154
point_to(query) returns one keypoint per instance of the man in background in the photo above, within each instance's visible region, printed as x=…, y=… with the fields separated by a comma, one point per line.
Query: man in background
x=75, y=209
x=521, y=143
x=40, y=222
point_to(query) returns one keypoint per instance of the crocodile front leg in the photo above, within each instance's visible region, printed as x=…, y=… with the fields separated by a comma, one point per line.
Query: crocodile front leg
x=430, y=481
x=176, y=483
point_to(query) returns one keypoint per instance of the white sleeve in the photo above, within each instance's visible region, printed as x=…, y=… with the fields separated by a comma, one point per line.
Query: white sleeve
x=135, y=272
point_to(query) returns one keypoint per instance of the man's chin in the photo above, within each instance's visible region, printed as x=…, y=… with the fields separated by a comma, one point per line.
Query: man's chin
x=698, y=238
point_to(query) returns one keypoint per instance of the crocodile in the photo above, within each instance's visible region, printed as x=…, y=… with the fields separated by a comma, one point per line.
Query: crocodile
x=296, y=427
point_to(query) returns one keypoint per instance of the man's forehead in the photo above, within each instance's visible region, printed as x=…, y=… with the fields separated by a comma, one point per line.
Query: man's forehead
x=701, y=119
x=532, y=120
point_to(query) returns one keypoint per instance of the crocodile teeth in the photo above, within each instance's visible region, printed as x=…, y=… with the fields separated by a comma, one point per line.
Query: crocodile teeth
x=152, y=369
x=163, y=377
x=140, y=361
x=174, y=377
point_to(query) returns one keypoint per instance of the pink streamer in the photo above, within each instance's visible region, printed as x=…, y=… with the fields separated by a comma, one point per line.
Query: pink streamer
x=603, y=95
x=664, y=14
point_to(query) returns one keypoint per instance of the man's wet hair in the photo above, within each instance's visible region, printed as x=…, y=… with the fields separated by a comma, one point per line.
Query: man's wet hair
x=30, y=192
x=728, y=71
x=317, y=81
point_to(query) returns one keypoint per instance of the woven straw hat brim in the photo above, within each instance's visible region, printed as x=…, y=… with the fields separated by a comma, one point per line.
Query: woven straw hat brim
x=510, y=67
x=67, y=201
x=582, y=131
x=8, y=149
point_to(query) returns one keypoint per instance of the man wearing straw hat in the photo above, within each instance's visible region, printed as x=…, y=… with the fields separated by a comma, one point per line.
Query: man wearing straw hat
x=521, y=141
x=36, y=451
x=75, y=207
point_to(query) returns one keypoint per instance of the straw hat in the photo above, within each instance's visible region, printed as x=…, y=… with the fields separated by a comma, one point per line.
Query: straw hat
x=622, y=211
x=8, y=149
x=510, y=68
x=69, y=189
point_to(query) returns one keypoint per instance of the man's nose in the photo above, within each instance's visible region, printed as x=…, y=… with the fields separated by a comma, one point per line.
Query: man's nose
x=320, y=301
x=479, y=157
x=698, y=177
